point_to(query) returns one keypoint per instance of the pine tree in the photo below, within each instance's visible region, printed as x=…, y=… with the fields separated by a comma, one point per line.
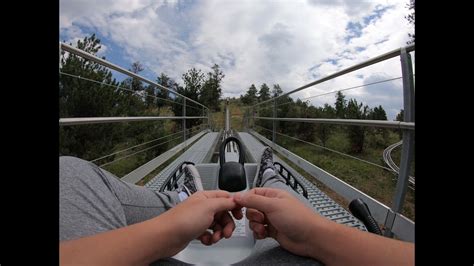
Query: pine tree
x=162, y=94
x=211, y=90
x=82, y=98
x=250, y=97
x=356, y=134
x=264, y=93
x=341, y=105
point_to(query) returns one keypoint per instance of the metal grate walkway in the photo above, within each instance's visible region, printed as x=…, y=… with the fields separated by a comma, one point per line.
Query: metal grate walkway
x=320, y=201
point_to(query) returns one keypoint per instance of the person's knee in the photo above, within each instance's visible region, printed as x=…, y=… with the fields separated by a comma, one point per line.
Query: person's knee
x=70, y=166
x=69, y=160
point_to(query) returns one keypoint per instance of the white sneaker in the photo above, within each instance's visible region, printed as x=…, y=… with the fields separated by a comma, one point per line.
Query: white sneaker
x=266, y=161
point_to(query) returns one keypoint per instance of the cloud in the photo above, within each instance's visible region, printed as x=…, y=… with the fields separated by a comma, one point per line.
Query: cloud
x=286, y=42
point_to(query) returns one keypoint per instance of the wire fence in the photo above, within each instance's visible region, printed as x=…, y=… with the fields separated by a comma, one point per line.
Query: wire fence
x=129, y=90
x=331, y=150
x=328, y=93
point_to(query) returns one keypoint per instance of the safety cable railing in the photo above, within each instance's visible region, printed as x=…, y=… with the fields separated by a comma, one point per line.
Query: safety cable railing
x=126, y=156
x=328, y=149
x=332, y=92
x=185, y=102
x=125, y=89
x=369, y=62
x=142, y=150
x=190, y=132
x=105, y=63
x=407, y=126
x=135, y=146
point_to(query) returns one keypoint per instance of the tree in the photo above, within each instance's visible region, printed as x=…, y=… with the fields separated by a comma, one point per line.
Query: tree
x=323, y=131
x=133, y=101
x=301, y=130
x=250, y=97
x=193, y=81
x=211, y=91
x=81, y=98
x=150, y=99
x=264, y=93
x=284, y=104
x=341, y=105
x=356, y=133
x=277, y=91
x=400, y=116
x=411, y=20
x=167, y=82
x=136, y=84
x=378, y=113
x=379, y=135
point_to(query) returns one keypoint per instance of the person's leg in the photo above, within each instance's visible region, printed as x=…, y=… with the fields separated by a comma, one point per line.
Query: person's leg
x=267, y=176
x=93, y=200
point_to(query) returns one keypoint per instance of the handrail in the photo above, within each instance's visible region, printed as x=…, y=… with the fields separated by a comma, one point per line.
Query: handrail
x=103, y=62
x=369, y=62
x=355, y=122
x=102, y=120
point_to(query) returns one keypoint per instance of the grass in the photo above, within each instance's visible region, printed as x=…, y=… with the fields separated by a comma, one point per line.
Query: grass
x=235, y=116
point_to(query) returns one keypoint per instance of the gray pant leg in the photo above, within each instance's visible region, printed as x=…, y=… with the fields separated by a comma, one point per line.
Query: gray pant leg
x=93, y=200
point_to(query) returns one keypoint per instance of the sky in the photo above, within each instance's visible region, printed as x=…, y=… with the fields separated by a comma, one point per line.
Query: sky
x=285, y=42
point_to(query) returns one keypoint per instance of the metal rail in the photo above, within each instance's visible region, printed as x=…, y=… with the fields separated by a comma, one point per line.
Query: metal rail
x=387, y=157
x=103, y=62
x=369, y=62
x=354, y=122
x=125, y=89
x=102, y=120
x=145, y=169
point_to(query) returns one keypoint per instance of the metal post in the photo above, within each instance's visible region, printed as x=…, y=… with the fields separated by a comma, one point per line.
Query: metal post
x=408, y=140
x=254, y=112
x=246, y=121
x=184, y=119
x=274, y=122
x=59, y=67
x=209, y=119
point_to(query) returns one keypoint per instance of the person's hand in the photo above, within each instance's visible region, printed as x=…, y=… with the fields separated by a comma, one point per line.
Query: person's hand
x=278, y=214
x=203, y=210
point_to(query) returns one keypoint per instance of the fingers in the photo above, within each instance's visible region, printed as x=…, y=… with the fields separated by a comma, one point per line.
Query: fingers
x=206, y=238
x=255, y=215
x=221, y=204
x=254, y=199
x=271, y=231
x=217, y=235
x=228, y=223
x=237, y=213
x=259, y=229
x=216, y=193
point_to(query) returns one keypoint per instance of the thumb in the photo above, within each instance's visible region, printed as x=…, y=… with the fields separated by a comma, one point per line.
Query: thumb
x=254, y=201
